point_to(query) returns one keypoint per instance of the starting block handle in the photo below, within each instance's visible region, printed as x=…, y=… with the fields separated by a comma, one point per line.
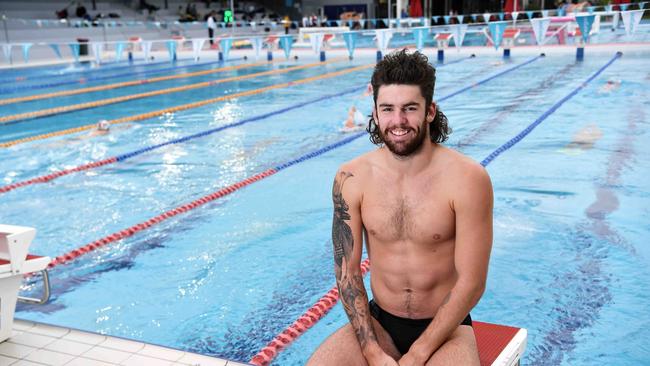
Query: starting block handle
x=46, y=292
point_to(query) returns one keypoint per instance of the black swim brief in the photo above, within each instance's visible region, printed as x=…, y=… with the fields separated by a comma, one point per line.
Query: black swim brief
x=403, y=331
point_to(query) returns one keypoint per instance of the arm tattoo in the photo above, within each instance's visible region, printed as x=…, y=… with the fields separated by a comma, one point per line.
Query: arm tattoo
x=351, y=288
x=341, y=232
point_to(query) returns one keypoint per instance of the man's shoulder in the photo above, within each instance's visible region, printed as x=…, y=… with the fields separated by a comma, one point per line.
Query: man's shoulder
x=361, y=165
x=462, y=166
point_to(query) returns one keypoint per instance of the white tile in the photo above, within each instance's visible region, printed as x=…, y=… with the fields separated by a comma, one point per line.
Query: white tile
x=69, y=347
x=139, y=360
x=200, y=360
x=49, y=330
x=32, y=340
x=4, y=360
x=80, y=361
x=106, y=354
x=15, y=350
x=233, y=363
x=161, y=352
x=122, y=344
x=26, y=363
x=84, y=337
x=49, y=358
x=22, y=324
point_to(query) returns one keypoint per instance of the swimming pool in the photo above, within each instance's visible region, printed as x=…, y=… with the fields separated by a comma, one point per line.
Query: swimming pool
x=569, y=261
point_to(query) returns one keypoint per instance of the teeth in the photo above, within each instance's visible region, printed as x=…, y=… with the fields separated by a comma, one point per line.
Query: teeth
x=399, y=132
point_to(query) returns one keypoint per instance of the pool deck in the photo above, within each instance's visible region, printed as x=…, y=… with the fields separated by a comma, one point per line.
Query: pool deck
x=37, y=344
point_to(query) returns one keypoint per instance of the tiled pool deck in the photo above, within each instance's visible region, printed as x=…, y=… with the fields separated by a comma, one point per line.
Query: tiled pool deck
x=36, y=344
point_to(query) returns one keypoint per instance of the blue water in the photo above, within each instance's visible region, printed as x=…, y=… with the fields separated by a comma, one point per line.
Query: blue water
x=569, y=263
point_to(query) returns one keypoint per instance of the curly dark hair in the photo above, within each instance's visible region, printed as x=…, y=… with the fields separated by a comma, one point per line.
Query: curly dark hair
x=401, y=67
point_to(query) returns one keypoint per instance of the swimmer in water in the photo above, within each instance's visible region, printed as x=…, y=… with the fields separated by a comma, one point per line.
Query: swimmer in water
x=610, y=86
x=355, y=121
x=103, y=128
x=583, y=140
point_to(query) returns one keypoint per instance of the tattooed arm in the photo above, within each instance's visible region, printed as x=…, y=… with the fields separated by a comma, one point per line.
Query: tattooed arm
x=472, y=205
x=347, y=240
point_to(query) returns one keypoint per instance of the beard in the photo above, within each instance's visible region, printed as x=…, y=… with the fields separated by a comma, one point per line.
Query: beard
x=408, y=147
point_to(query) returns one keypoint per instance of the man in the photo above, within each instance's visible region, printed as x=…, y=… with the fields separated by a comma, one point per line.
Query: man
x=426, y=214
x=212, y=26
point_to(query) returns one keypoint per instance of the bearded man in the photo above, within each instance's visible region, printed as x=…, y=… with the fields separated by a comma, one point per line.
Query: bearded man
x=426, y=214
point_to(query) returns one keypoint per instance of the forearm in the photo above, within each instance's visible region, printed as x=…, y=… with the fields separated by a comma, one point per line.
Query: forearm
x=458, y=303
x=355, y=302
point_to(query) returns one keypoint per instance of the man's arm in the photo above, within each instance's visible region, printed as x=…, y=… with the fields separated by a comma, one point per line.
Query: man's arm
x=348, y=242
x=473, y=243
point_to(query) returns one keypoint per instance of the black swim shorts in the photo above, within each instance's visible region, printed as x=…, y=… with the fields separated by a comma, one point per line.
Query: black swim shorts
x=403, y=331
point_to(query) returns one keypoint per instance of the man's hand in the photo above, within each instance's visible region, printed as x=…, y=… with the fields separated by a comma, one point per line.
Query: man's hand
x=411, y=358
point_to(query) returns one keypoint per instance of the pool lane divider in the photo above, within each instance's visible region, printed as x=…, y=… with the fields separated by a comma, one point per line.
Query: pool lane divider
x=125, y=156
x=15, y=118
x=327, y=302
x=183, y=107
x=122, y=234
x=122, y=157
x=30, y=98
x=83, y=80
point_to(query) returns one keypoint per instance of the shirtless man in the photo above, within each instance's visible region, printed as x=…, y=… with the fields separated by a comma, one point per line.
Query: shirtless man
x=426, y=214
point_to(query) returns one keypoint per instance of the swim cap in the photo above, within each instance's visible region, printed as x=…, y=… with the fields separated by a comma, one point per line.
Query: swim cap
x=103, y=125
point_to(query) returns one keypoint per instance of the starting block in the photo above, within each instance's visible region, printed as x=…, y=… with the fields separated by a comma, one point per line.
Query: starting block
x=15, y=263
x=509, y=37
x=442, y=41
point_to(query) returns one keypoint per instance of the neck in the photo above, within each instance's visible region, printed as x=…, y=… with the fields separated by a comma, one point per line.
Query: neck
x=413, y=163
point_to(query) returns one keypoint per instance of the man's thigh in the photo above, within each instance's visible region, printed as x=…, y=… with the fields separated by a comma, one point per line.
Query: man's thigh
x=342, y=348
x=459, y=349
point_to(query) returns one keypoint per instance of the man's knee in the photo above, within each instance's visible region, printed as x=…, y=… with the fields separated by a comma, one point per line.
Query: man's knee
x=459, y=349
x=341, y=348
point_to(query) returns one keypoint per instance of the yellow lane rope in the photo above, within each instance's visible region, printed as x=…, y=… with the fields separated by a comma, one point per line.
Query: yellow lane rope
x=125, y=84
x=201, y=103
x=102, y=102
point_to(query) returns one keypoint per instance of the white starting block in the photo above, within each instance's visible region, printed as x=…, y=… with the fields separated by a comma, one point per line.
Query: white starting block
x=509, y=37
x=15, y=262
x=442, y=41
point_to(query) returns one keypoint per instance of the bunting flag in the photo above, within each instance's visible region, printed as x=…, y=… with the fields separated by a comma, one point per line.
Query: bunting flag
x=197, y=46
x=435, y=19
x=410, y=21
x=529, y=14
x=338, y=23
x=590, y=9
x=253, y=25
x=540, y=26
x=623, y=6
x=225, y=45
x=585, y=22
x=460, y=18
x=286, y=41
x=615, y=20
x=171, y=48
x=419, y=34
x=446, y=18
x=474, y=17
x=515, y=15
x=496, y=30
x=373, y=22
x=501, y=16
x=486, y=17
x=544, y=13
x=329, y=23
x=56, y=49
x=39, y=23
x=119, y=50
x=383, y=37
x=97, y=51
x=146, y=49
x=6, y=50
x=642, y=5
x=257, y=42
x=608, y=8
x=458, y=32
x=363, y=23
x=350, y=42
x=74, y=47
x=316, y=41
x=561, y=12
x=631, y=20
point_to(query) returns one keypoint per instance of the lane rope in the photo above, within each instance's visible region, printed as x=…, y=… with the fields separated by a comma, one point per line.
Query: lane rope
x=125, y=156
x=126, y=83
x=327, y=302
x=183, y=107
x=102, y=102
x=83, y=80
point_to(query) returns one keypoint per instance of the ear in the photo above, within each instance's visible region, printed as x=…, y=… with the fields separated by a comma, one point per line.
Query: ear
x=431, y=112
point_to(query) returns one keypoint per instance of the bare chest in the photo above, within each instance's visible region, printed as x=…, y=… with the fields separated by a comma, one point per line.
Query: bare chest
x=416, y=214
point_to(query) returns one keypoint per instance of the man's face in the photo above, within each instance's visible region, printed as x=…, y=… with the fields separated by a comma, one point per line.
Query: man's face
x=402, y=117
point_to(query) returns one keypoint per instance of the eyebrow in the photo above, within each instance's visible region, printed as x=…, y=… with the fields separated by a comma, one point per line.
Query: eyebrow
x=392, y=105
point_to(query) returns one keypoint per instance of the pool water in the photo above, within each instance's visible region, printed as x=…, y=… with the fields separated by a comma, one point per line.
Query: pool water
x=569, y=263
